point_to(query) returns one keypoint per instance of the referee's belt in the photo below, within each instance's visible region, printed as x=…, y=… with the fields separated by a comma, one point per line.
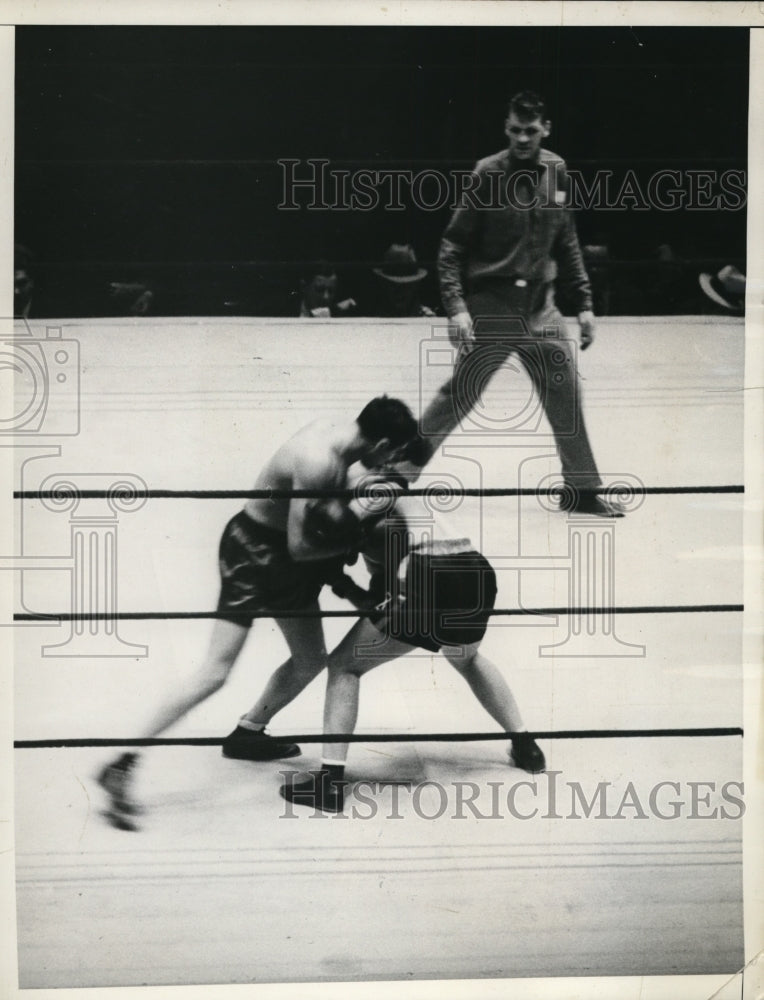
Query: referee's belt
x=517, y=280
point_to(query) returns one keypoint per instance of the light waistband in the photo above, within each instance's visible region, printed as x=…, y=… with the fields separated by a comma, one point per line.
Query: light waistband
x=443, y=547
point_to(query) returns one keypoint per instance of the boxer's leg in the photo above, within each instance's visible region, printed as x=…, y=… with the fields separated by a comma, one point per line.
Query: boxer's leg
x=494, y=694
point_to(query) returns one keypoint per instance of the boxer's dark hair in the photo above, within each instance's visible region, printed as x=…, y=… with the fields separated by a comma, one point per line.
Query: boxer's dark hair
x=527, y=105
x=387, y=418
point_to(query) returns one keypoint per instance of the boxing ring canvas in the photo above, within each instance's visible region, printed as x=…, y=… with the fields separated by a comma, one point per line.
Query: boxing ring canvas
x=624, y=859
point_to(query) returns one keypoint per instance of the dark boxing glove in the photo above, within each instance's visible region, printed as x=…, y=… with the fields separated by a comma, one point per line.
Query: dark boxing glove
x=332, y=524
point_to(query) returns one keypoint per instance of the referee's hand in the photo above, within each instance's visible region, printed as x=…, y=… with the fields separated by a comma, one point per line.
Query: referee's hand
x=460, y=331
x=586, y=325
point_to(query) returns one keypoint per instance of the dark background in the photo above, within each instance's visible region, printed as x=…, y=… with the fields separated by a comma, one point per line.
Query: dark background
x=149, y=154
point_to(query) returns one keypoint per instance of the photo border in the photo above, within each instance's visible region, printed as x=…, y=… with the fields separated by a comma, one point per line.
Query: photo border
x=424, y=12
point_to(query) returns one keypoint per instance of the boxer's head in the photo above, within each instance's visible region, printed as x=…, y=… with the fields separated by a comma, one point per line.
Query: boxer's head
x=386, y=425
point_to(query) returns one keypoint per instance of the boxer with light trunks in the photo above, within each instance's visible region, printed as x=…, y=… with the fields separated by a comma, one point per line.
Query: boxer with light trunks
x=439, y=594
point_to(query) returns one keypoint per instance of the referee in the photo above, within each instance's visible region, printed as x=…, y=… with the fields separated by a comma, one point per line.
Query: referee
x=508, y=242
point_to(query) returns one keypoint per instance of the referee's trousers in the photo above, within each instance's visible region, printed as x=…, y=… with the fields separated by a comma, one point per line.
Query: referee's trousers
x=521, y=322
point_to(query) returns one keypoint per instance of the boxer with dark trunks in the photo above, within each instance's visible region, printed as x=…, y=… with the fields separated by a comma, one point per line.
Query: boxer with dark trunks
x=275, y=556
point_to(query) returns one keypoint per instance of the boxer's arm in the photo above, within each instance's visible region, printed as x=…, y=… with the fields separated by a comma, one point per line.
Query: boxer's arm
x=374, y=508
x=303, y=544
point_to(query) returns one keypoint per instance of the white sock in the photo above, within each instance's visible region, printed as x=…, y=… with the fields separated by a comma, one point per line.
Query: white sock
x=332, y=763
x=255, y=727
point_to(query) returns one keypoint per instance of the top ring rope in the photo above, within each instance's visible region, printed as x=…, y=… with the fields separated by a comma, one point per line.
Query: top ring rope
x=369, y=490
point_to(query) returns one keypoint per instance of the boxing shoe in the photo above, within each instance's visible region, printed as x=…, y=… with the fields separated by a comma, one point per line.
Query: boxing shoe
x=250, y=744
x=527, y=754
x=319, y=790
x=117, y=780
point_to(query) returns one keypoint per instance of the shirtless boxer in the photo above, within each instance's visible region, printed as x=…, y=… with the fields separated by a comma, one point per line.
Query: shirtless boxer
x=275, y=557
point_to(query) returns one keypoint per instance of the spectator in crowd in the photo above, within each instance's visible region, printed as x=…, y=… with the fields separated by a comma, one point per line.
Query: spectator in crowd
x=725, y=289
x=318, y=292
x=23, y=281
x=399, y=285
x=669, y=285
x=130, y=298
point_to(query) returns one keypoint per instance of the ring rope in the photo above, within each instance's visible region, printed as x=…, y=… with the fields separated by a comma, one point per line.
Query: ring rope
x=213, y=741
x=665, y=609
x=369, y=490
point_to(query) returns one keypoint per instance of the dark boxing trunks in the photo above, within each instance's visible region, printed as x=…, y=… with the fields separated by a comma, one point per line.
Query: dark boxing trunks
x=258, y=574
x=444, y=600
